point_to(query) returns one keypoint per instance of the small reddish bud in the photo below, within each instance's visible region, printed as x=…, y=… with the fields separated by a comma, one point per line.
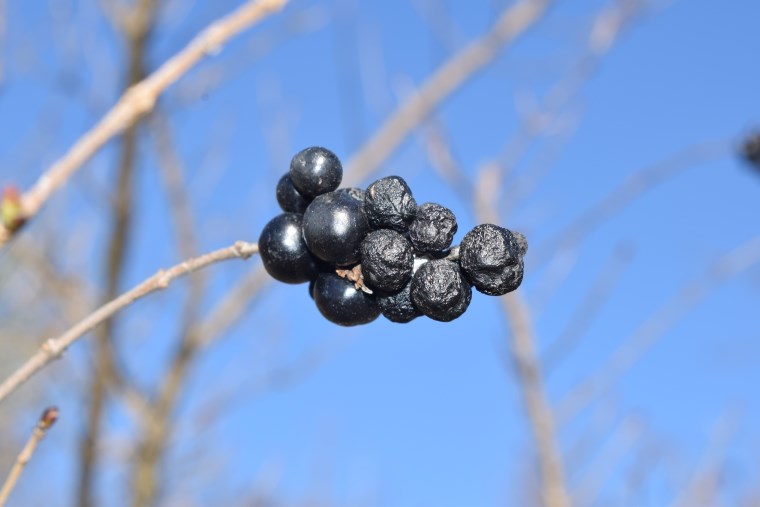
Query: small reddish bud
x=10, y=209
x=48, y=418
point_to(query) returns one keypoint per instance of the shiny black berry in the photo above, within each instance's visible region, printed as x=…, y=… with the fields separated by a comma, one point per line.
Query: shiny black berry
x=491, y=257
x=387, y=260
x=341, y=303
x=398, y=307
x=315, y=171
x=283, y=250
x=334, y=225
x=433, y=228
x=289, y=198
x=389, y=204
x=440, y=291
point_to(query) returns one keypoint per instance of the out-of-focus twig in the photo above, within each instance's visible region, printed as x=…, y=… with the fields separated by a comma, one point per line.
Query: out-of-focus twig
x=609, y=24
x=523, y=345
x=701, y=489
x=667, y=315
x=597, y=295
x=48, y=418
x=627, y=193
x=449, y=77
x=157, y=420
x=136, y=26
x=54, y=347
x=599, y=470
x=139, y=100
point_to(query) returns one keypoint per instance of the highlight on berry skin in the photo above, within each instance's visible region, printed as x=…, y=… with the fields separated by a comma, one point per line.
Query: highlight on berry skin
x=374, y=251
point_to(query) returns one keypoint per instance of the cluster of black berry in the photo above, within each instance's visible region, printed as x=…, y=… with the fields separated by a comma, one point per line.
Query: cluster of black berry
x=375, y=251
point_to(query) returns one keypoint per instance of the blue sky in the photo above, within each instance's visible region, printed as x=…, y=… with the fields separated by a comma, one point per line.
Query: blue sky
x=429, y=413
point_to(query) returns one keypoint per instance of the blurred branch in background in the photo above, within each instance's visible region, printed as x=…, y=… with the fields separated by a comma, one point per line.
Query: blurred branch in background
x=46, y=421
x=589, y=308
x=513, y=23
x=54, y=347
x=632, y=349
x=637, y=184
x=703, y=487
x=139, y=100
x=135, y=25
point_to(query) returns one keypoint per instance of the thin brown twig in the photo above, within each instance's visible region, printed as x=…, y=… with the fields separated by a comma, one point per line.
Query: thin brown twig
x=47, y=419
x=139, y=100
x=514, y=22
x=54, y=347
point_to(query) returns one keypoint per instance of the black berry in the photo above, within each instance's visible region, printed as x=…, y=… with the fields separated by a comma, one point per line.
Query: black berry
x=433, y=228
x=389, y=204
x=341, y=303
x=283, y=250
x=751, y=149
x=440, y=291
x=522, y=242
x=398, y=307
x=387, y=260
x=356, y=193
x=315, y=171
x=289, y=198
x=491, y=257
x=334, y=225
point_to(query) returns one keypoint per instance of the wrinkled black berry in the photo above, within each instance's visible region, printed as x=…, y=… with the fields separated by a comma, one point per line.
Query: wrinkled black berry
x=341, y=303
x=522, y=242
x=283, y=250
x=491, y=257
x=387, y=260
x=751, y=149
x=398, y=307
x=315, y=171
x=334, y=226
x=433, y=228
x=289, y=198
x=389, y=204
x=440, y=291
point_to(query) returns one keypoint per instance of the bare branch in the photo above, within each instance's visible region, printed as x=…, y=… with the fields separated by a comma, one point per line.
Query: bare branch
x=627, y=193
x=107, y=371
x=668, y=314
x=138, y=100
x=454, y=73
x=591, y=304
x=553, y=489
x=47, y=419
x=54, y=347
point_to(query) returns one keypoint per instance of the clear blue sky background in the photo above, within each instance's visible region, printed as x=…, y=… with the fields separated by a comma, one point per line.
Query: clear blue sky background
x=428, y=413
